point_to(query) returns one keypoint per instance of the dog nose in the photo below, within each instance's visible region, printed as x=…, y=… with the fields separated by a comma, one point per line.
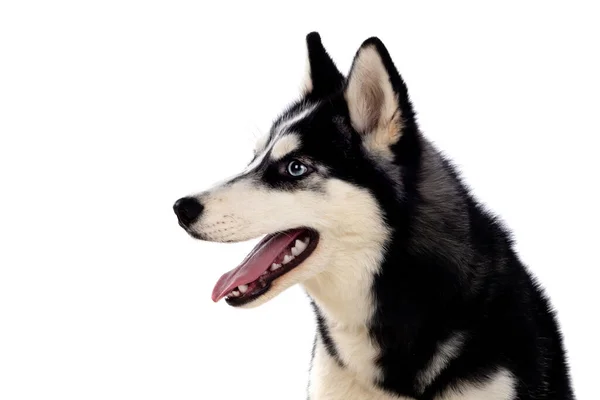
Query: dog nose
x=187, y=209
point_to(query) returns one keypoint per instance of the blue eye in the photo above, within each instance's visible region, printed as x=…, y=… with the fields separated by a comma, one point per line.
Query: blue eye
x=295, y=168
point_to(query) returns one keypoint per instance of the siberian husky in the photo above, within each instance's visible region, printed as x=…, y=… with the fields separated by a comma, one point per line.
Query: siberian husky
x=417, y=290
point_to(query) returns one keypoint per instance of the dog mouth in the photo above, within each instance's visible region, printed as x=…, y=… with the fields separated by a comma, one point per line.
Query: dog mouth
x=275, y=255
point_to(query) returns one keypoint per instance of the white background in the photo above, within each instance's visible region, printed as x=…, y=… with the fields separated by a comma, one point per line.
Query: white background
x=111, y=110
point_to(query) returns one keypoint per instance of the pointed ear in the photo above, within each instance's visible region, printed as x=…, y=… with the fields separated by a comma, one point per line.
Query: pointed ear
x=377, y=98
x=322, y=76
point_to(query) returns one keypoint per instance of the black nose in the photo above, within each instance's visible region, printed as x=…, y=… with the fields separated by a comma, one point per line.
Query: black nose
x=187, y=209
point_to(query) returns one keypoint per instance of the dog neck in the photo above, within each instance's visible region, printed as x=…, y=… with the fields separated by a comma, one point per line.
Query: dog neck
x=343, y=291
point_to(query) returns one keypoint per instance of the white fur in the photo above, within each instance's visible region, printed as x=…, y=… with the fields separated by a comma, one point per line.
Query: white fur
x=284, y=145
x=446, y=352
x=372, y=103
x=501, y=386
x=328, y=381
x=356, y=350
x=307, y=83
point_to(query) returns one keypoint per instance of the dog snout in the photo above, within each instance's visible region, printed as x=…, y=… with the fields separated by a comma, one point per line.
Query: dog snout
x=187, y=209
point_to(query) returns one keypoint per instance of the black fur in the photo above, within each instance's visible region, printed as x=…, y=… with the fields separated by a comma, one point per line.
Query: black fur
x=325, y=76
x=325, y=337
x=448, y=267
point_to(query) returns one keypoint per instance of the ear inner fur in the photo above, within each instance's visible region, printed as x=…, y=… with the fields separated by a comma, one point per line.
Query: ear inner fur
x=372, y=101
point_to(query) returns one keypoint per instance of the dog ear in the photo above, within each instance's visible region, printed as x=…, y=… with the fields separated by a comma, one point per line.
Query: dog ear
x=322, y=76
x=377, y=97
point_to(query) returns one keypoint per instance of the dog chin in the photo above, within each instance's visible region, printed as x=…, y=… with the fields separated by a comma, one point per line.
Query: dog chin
x=271, y=294
x=297, y=276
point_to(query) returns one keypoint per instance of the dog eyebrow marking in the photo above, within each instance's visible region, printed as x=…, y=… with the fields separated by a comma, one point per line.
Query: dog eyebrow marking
x=285, y=145
x=446, y=351
x=279, y=130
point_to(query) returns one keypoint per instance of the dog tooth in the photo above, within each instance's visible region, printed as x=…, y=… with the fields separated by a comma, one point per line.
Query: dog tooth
x=287, y=259
x=296, y=251
x=275, y=266
x=264, y=273
x=235, y=293
x=243, y=288
x=300, y=246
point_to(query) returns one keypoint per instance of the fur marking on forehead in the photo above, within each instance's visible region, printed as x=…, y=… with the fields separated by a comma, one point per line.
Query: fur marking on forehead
x=285, y=145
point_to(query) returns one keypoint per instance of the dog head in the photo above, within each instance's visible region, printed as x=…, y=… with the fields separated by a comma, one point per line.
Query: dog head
x=308, y=188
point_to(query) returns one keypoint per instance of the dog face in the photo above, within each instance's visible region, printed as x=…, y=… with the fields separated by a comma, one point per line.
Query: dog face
x=308, y=187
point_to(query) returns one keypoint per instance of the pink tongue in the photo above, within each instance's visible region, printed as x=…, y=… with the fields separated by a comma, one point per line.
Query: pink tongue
x=258, y=261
